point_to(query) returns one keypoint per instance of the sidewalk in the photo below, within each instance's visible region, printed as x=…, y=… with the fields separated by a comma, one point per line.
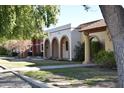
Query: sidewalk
x=49, y=67
x=12, y=79
x=9, y=80
x=22, y=59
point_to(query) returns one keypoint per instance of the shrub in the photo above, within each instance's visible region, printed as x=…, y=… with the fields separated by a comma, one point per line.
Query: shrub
x=3, y=51
x=105, y=59
x=79, y=52
x=95, y=47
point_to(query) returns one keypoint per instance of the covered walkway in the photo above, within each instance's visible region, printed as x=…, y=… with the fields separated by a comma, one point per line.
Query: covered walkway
x=87, y=29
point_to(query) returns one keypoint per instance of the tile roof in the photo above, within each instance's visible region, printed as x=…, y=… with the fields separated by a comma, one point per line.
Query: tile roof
x=92, y=25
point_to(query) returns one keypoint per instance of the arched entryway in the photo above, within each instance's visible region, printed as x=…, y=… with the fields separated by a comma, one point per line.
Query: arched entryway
x=64, y=47
x=47, y=48
x=55, y=48
x=95, y=46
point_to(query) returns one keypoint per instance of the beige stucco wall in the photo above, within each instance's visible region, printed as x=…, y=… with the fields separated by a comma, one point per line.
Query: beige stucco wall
x=75, y=37
x=104, y=38
x=59, y=33
x=100, y=36
x=65, y=53
x=66, y=30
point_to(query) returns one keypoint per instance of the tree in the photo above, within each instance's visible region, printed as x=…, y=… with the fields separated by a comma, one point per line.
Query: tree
x=25, y=22
x=114, y=18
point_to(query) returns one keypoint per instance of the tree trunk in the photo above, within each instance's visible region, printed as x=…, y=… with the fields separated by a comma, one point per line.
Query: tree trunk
x=114, y=18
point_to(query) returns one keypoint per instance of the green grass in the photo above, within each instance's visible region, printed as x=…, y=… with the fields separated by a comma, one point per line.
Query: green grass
x=17, y=64
x=10, y=64
x=89, y=76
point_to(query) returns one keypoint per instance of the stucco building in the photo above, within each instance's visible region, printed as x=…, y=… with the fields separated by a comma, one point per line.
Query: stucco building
x=95, y=29
x=61, y=40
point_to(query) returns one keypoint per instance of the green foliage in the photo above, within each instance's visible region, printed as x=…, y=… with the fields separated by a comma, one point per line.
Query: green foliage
x=39, y=35
x=79, y=52
x=20, y=21
x=3, y=51
x=105, y=59
x=95, y=47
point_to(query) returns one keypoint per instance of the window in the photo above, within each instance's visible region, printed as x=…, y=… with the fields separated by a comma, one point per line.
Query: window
x=66, y=45
x=41, y=47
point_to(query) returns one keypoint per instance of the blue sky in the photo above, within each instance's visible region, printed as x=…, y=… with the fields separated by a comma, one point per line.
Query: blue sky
x=75, y=14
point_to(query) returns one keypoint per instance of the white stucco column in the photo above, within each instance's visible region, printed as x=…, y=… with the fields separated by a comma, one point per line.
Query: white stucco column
x=70, y=48
x=50, y=49
x=59, y=48
x=87, y=48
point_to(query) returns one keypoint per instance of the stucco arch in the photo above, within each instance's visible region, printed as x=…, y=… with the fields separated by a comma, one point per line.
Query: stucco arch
x=55, y=48
x=47, y=48
x=64, y=47
x=95, y=46
x=94, y=36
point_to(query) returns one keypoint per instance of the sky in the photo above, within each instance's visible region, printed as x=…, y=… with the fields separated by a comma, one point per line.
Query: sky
x=76, y=15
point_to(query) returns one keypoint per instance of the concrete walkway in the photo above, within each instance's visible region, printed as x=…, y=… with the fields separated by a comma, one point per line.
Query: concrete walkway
x=48, y=67
x=22, y=59
x=12, y=79
x=9, y=80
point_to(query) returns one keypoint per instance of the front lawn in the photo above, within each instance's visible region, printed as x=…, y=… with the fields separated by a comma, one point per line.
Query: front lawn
x=77, y=77
x=30, y=63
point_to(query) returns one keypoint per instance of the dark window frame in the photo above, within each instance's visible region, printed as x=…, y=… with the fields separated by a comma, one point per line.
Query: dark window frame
x=66, y=44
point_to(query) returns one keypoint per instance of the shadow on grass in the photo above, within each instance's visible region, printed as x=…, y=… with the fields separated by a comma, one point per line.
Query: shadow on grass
x=30, y=62
x=90, y=76
x=84, y=72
